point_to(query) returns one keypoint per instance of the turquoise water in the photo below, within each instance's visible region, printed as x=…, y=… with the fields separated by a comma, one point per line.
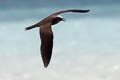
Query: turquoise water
x=86, y=48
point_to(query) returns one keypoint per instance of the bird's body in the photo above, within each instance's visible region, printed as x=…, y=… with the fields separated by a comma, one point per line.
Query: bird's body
x=46, y=34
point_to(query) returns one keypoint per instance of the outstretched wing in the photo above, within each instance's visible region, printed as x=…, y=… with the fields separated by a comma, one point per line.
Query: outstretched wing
x=71, y=10
x=46, y=36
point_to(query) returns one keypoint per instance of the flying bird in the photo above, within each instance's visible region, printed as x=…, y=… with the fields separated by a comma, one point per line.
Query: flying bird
x=46, y=34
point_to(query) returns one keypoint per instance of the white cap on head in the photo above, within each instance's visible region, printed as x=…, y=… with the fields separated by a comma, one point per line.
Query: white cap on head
x=59, y=16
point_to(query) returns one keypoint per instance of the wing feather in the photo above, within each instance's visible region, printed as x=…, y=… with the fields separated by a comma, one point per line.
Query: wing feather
x=46, y=36
x=71, y=10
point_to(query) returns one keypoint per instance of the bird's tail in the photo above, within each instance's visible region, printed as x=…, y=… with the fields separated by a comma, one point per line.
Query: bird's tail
x=30, y=27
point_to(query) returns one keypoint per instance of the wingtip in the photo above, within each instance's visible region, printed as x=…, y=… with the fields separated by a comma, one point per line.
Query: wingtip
x=45, y=65
x=80, y=11
x=26, y=29
x=86, y=10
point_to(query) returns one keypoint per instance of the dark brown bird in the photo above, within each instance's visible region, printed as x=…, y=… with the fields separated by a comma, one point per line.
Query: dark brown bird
x=46, y=33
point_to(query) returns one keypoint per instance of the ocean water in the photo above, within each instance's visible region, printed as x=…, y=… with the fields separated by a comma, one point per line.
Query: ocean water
x=84, y=49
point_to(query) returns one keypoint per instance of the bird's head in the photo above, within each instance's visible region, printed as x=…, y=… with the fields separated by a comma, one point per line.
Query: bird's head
x=61, y=18
x=57, y=19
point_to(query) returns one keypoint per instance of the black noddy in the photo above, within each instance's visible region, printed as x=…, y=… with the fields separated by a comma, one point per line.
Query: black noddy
x=46, y=33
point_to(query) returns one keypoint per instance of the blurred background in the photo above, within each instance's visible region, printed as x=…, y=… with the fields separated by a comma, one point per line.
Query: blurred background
x=86, y=46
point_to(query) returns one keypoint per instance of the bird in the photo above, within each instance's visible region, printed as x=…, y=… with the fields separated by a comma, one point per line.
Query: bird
x=46, y=34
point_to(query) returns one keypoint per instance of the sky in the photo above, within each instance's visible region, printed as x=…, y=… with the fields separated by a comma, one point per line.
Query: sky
x=86, y=46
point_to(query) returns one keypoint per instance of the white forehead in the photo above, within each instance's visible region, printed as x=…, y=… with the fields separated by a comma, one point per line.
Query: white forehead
x=59, y=16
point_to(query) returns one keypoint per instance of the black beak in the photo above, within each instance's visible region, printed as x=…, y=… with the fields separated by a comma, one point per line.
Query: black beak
x=63, y=19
